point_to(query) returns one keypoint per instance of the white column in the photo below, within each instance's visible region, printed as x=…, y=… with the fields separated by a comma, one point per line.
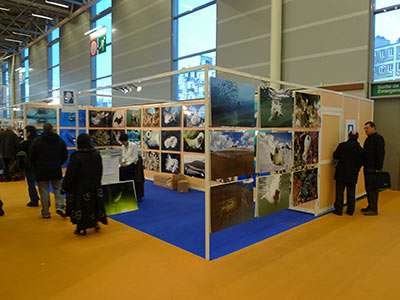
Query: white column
x=276, y=41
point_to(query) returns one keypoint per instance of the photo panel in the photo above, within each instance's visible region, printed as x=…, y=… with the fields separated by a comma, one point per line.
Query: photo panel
x=307, y=111
x=118, y=118
x=275, y=151
x=171, y=116
x=305, y=186
x=193, y=141
x=193, y=115
x=151, y=139
x=100, y=137
x=98, y=118
x=134, y=136
x=232, y=153
x=170, y=163
x=133, y=117
x=171, y=140
x=276, y=107
x=67, y=119
x=305, y=148
x=151, y=160
x=38, y=116
x=194, y=165
x=231, y=204
x=273, y=193
x=151, y=117
x=232, y=103
x=69, y=136
x=115, y=135
x=119, y=197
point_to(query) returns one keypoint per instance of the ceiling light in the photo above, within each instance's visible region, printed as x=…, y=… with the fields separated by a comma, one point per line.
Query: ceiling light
x=16, y=70
x=43, y=17
x=4, y=8
x=128, y=88
x=93, y=29
x=57, y=4
x=12, y=40
x=23, y=34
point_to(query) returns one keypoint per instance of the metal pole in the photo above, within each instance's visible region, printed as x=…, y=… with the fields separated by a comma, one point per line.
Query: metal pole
x=276, y=42
x=208, y=163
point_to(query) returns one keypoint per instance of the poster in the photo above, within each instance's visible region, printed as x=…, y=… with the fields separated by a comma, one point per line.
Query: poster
x=151, y=117
x=151, y=139
x=69, y=100
x=151, y=161
x=118, y=118
x=193, y=141
x=171, y=140
x=305, y=148
x=276, y=107
x=119, y=197
x=67, y=119
x=350, y=126
x=193, y=116
x=38, y=116
x=305, y=186
x=170, y=163
x=98, y=118
x=171, y=116
x=134, y=136
x=275, y=150
x=133, y=117
x=100, y=137
x=69, y=136
x=307, y=110
x=194, y=165
x=115, y=135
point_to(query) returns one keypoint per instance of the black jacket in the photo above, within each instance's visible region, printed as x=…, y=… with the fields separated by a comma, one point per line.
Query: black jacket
x=349, y=154
x=8, y=144
x=47, y=154
x=84, y=172
x=374, y=153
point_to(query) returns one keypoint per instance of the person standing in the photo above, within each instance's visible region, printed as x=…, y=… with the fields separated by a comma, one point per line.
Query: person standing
x=373, y=158
x=9, y=143
x=30, y=134
x=129, y=158
x=349, y=156
x=47, y=154
x=82, y=184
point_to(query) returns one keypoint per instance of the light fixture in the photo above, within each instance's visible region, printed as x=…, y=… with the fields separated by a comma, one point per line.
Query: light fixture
x=12, y=40
x=57, y=4
x=16, y=109
x=4, y=8
x=128, y=88
x=23, y=34
x=16, y=70
x=94, y=29
x=43, y=17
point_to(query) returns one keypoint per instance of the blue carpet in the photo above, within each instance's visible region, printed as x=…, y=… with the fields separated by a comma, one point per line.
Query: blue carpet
x=178, y=219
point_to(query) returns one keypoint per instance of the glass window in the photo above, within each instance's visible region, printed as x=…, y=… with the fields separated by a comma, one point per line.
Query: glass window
x=101, y=6
x=181, y=6
x=390, y=68
x=385, y=3
x=54, y=55
x=105, y=21
x=196, y=32
x=55, y=78
x=55, y=34
x=101, y=100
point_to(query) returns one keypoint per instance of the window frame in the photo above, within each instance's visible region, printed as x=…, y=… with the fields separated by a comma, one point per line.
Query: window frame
x=50, y=68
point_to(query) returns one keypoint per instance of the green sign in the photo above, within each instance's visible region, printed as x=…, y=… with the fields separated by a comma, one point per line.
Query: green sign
x=385, y=89
x=102, y=43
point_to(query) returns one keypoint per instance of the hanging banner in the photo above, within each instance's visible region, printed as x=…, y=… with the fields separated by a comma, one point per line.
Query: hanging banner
x=93, y=47
x=69, y=100
x=102, y=43
x=3, y=94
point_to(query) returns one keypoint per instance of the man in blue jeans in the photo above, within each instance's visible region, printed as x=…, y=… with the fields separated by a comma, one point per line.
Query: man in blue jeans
x=47, y=154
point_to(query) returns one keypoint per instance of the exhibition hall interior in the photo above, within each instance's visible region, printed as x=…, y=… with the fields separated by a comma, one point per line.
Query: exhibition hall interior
x=197, y=149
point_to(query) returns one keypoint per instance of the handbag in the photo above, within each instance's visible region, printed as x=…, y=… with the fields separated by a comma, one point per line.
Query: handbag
x=380, y=180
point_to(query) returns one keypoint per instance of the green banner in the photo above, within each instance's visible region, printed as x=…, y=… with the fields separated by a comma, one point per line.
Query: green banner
x=102, y=43
x=385, y=89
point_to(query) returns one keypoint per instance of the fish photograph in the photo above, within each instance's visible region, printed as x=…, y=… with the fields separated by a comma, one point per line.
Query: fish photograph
x=133, y=117
x=232, y=153
x=231, y=204
x=151, y=117
x=118, y=118
x=171, y=116
x=100, y=137
x=193, y=141
x=305, y=186
x=194, y=116
x=305, y=148
x=275, y=151
x=69, y=136
x=276, y=107
x=194, y=165
x=232, y=103
x=151, y=161
x=134, y=136
x=171, y=140
x=67, y=119
x=151, y=139
x=119, y=197
x=100, y=118
x=115, y=134
x=273, y=193
x=170, y=163
x=38, y=116
x=307, y=110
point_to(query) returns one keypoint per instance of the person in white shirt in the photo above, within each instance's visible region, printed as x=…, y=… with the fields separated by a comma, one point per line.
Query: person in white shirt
x=129, y=158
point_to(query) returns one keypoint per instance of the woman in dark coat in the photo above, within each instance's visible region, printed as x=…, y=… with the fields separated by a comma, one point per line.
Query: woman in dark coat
x=82, y=183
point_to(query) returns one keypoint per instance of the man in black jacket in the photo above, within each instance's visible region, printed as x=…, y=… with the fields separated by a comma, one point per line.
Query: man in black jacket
x=47, y=154
x=8, y=145
x=373, y=157
x=349, y=155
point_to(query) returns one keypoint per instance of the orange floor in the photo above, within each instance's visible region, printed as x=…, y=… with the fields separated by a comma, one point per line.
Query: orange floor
x=331, y=257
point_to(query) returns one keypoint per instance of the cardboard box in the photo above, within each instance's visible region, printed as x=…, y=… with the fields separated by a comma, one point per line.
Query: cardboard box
x=161, y=180
x=183, y=186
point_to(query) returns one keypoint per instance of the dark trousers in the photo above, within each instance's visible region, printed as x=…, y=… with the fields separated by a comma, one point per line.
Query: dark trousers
x=127, y=173
x=351, y=196
x=31, y=180
x=372, y=192
x=7, y=162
